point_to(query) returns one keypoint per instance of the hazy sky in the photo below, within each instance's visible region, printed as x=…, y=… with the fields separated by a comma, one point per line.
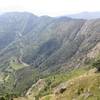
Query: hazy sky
x=50, y=7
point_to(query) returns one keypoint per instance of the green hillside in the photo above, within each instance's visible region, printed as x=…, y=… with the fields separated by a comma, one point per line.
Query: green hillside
x=84, y=87
x=38, y=53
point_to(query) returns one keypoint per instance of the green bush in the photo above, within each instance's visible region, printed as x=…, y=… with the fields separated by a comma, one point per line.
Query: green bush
x=2, y=98
x=97, y=64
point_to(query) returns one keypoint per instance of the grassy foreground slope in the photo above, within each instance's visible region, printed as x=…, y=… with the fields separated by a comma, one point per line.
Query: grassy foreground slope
x=84, y=87
x=46, y=86
x=79, y=84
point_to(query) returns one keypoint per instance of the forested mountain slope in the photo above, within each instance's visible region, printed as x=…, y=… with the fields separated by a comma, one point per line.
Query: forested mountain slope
x=33, y=47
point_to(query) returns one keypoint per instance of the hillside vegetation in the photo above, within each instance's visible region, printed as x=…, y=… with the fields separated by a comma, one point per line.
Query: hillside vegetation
x=80, y=84
x=84, y=87
x=37, y=54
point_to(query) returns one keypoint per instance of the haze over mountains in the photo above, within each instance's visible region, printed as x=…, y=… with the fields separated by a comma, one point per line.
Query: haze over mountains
x=86, y=15
x=33, y=47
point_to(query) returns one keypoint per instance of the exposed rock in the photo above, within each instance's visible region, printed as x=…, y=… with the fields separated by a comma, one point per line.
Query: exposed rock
x=86, y=95
x=92, y=71
x=39, y=85
x=61, y=88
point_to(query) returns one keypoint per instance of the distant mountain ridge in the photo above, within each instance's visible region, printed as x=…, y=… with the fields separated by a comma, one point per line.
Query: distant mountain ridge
x=86, y=15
